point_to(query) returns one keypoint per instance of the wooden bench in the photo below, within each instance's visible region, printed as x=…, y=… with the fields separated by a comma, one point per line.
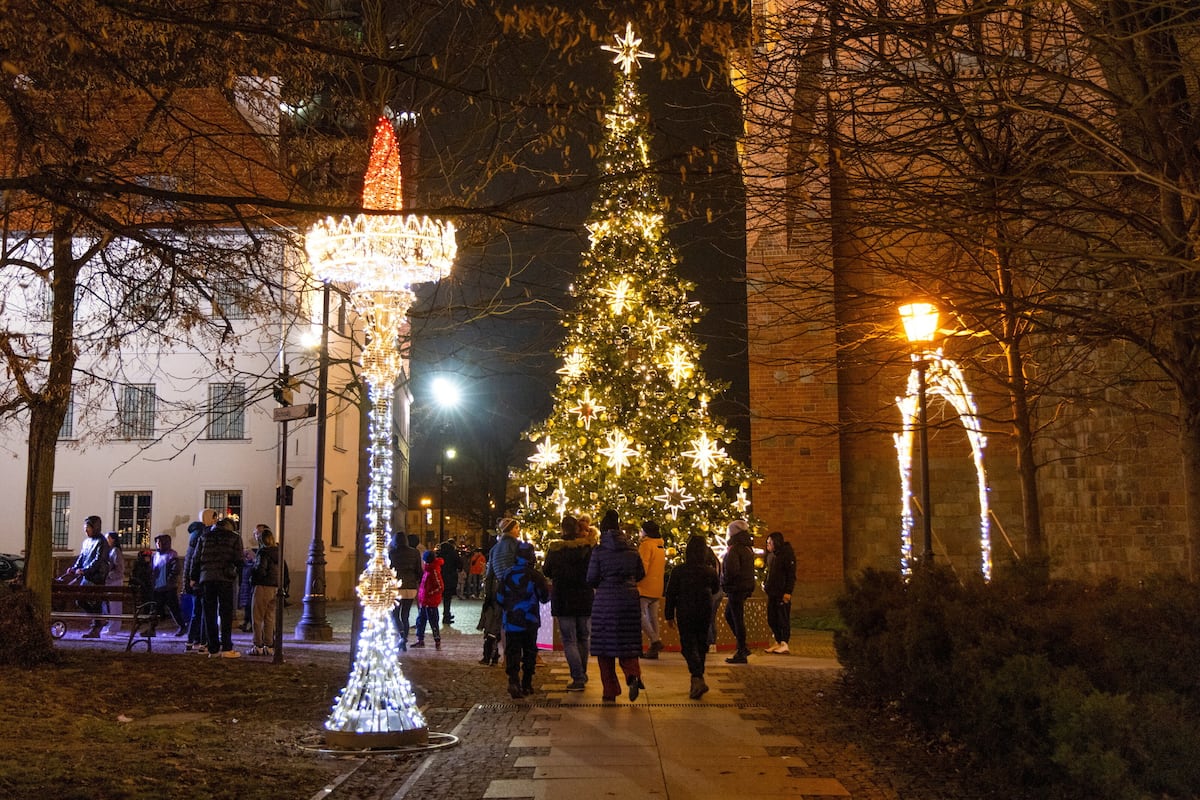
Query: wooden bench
x=65, y=599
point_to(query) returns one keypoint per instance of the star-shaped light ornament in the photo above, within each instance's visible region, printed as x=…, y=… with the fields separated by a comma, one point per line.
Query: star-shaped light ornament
x=674, y=497
x=573, y=363
x=588, y=409
x=547, y=454
x=679, y=365
x=628, y=50
x=597, y=230
x=705, y=453
x=620, y=296
x=650, y=224
x=559, y=498
x=655, y=328
x=741, y=502
x=618, y=451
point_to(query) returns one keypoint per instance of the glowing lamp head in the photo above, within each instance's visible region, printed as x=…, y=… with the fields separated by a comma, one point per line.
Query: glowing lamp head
x=446, y=392
x=920, y=322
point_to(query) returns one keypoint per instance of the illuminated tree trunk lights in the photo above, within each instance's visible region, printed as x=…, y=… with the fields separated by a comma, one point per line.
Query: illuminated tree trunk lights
x=379, y=257
x=945, y=378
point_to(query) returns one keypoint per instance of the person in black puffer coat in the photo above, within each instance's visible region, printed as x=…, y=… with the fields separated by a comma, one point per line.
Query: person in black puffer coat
x=778, y=585
x=737, y=579
x=613, y=571
x=566, y=566
x=451, y=565
x=406, y=562
x=689, y=596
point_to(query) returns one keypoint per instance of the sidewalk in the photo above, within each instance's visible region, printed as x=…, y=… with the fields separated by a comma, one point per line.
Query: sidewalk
x=557, y=744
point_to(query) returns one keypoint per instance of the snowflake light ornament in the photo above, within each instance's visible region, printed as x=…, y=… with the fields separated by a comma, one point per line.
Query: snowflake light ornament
x=546, y=455
x=559, y=498
x=620, y=296
x=679, y=366
x=705, y=453
x=618, y=451
x=573, y=363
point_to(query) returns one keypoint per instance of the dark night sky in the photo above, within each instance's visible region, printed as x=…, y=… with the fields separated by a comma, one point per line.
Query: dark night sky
x=506, y=356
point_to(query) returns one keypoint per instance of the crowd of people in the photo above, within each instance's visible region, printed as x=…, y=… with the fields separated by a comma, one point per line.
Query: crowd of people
x=217, y=575
x=607, y=587
x=606, y=592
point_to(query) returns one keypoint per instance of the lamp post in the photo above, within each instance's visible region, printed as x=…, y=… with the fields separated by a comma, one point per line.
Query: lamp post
x=448, y=453
x=920, y=327
x=446, y=394
x=313, y=626
x=379, y=256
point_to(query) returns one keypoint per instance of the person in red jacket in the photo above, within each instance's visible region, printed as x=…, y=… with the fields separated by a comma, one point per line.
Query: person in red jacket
x=429, y=599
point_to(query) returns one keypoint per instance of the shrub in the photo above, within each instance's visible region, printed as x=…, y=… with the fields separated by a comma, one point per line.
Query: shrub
x=1088, y=689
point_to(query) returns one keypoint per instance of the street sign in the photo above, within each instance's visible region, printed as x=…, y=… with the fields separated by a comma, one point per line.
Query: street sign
x=293, y=413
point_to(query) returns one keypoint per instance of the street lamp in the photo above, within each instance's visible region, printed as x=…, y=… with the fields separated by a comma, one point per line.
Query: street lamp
x=379, y=256
x=920, y=326
x=448, y=454
x=313, y=626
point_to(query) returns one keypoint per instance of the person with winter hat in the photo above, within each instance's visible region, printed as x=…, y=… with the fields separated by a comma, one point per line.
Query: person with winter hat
x=566, y=566
x=778, y=585
x=737, y=580
x=613, y=571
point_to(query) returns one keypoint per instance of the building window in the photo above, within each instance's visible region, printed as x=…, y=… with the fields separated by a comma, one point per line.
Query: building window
x=339, y=427
x=335, y=524
x=229, y=296
x=132, y=514
x=226, y=411
x=226, y=502
x=67, y=430
x=137, y=411
x=60, y=521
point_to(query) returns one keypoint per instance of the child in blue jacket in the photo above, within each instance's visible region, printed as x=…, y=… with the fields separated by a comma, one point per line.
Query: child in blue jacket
x=520, y=594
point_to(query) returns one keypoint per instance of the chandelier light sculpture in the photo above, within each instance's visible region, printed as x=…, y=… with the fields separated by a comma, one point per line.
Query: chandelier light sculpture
x=378, y=255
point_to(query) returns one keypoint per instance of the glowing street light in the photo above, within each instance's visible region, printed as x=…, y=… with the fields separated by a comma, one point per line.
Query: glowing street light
x=379, y=256
x=920, y=327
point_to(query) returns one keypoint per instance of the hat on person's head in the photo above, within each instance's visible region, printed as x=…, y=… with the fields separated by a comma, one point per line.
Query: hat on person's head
x=651, y=529
x=610, y=522
x=737, y=526
x=428, y=556
x=508, y=524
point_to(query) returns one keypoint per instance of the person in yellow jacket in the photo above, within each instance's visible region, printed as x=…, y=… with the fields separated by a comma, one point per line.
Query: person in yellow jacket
x=650, y=588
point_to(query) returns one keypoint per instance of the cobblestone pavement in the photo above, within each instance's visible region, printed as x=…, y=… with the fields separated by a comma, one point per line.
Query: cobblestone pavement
x=858, y=753
x=873, y=756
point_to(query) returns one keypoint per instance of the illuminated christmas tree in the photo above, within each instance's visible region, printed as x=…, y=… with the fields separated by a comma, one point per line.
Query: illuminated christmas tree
x=631, y=427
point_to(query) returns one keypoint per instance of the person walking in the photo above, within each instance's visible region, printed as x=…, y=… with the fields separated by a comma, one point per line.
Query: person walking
x=521, y=592
x=566, y=566
x=90, y=568
x=778, y=585
x=650, y=588
x=689, y=598
x=215, y=568
x=613, y=571
x=406, y=563
x=737, y=580
x=264, y=579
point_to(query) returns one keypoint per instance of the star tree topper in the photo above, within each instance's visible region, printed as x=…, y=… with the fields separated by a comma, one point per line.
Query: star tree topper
x=628, y=50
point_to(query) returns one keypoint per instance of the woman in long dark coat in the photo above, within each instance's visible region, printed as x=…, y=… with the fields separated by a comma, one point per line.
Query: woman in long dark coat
x=614, y=570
